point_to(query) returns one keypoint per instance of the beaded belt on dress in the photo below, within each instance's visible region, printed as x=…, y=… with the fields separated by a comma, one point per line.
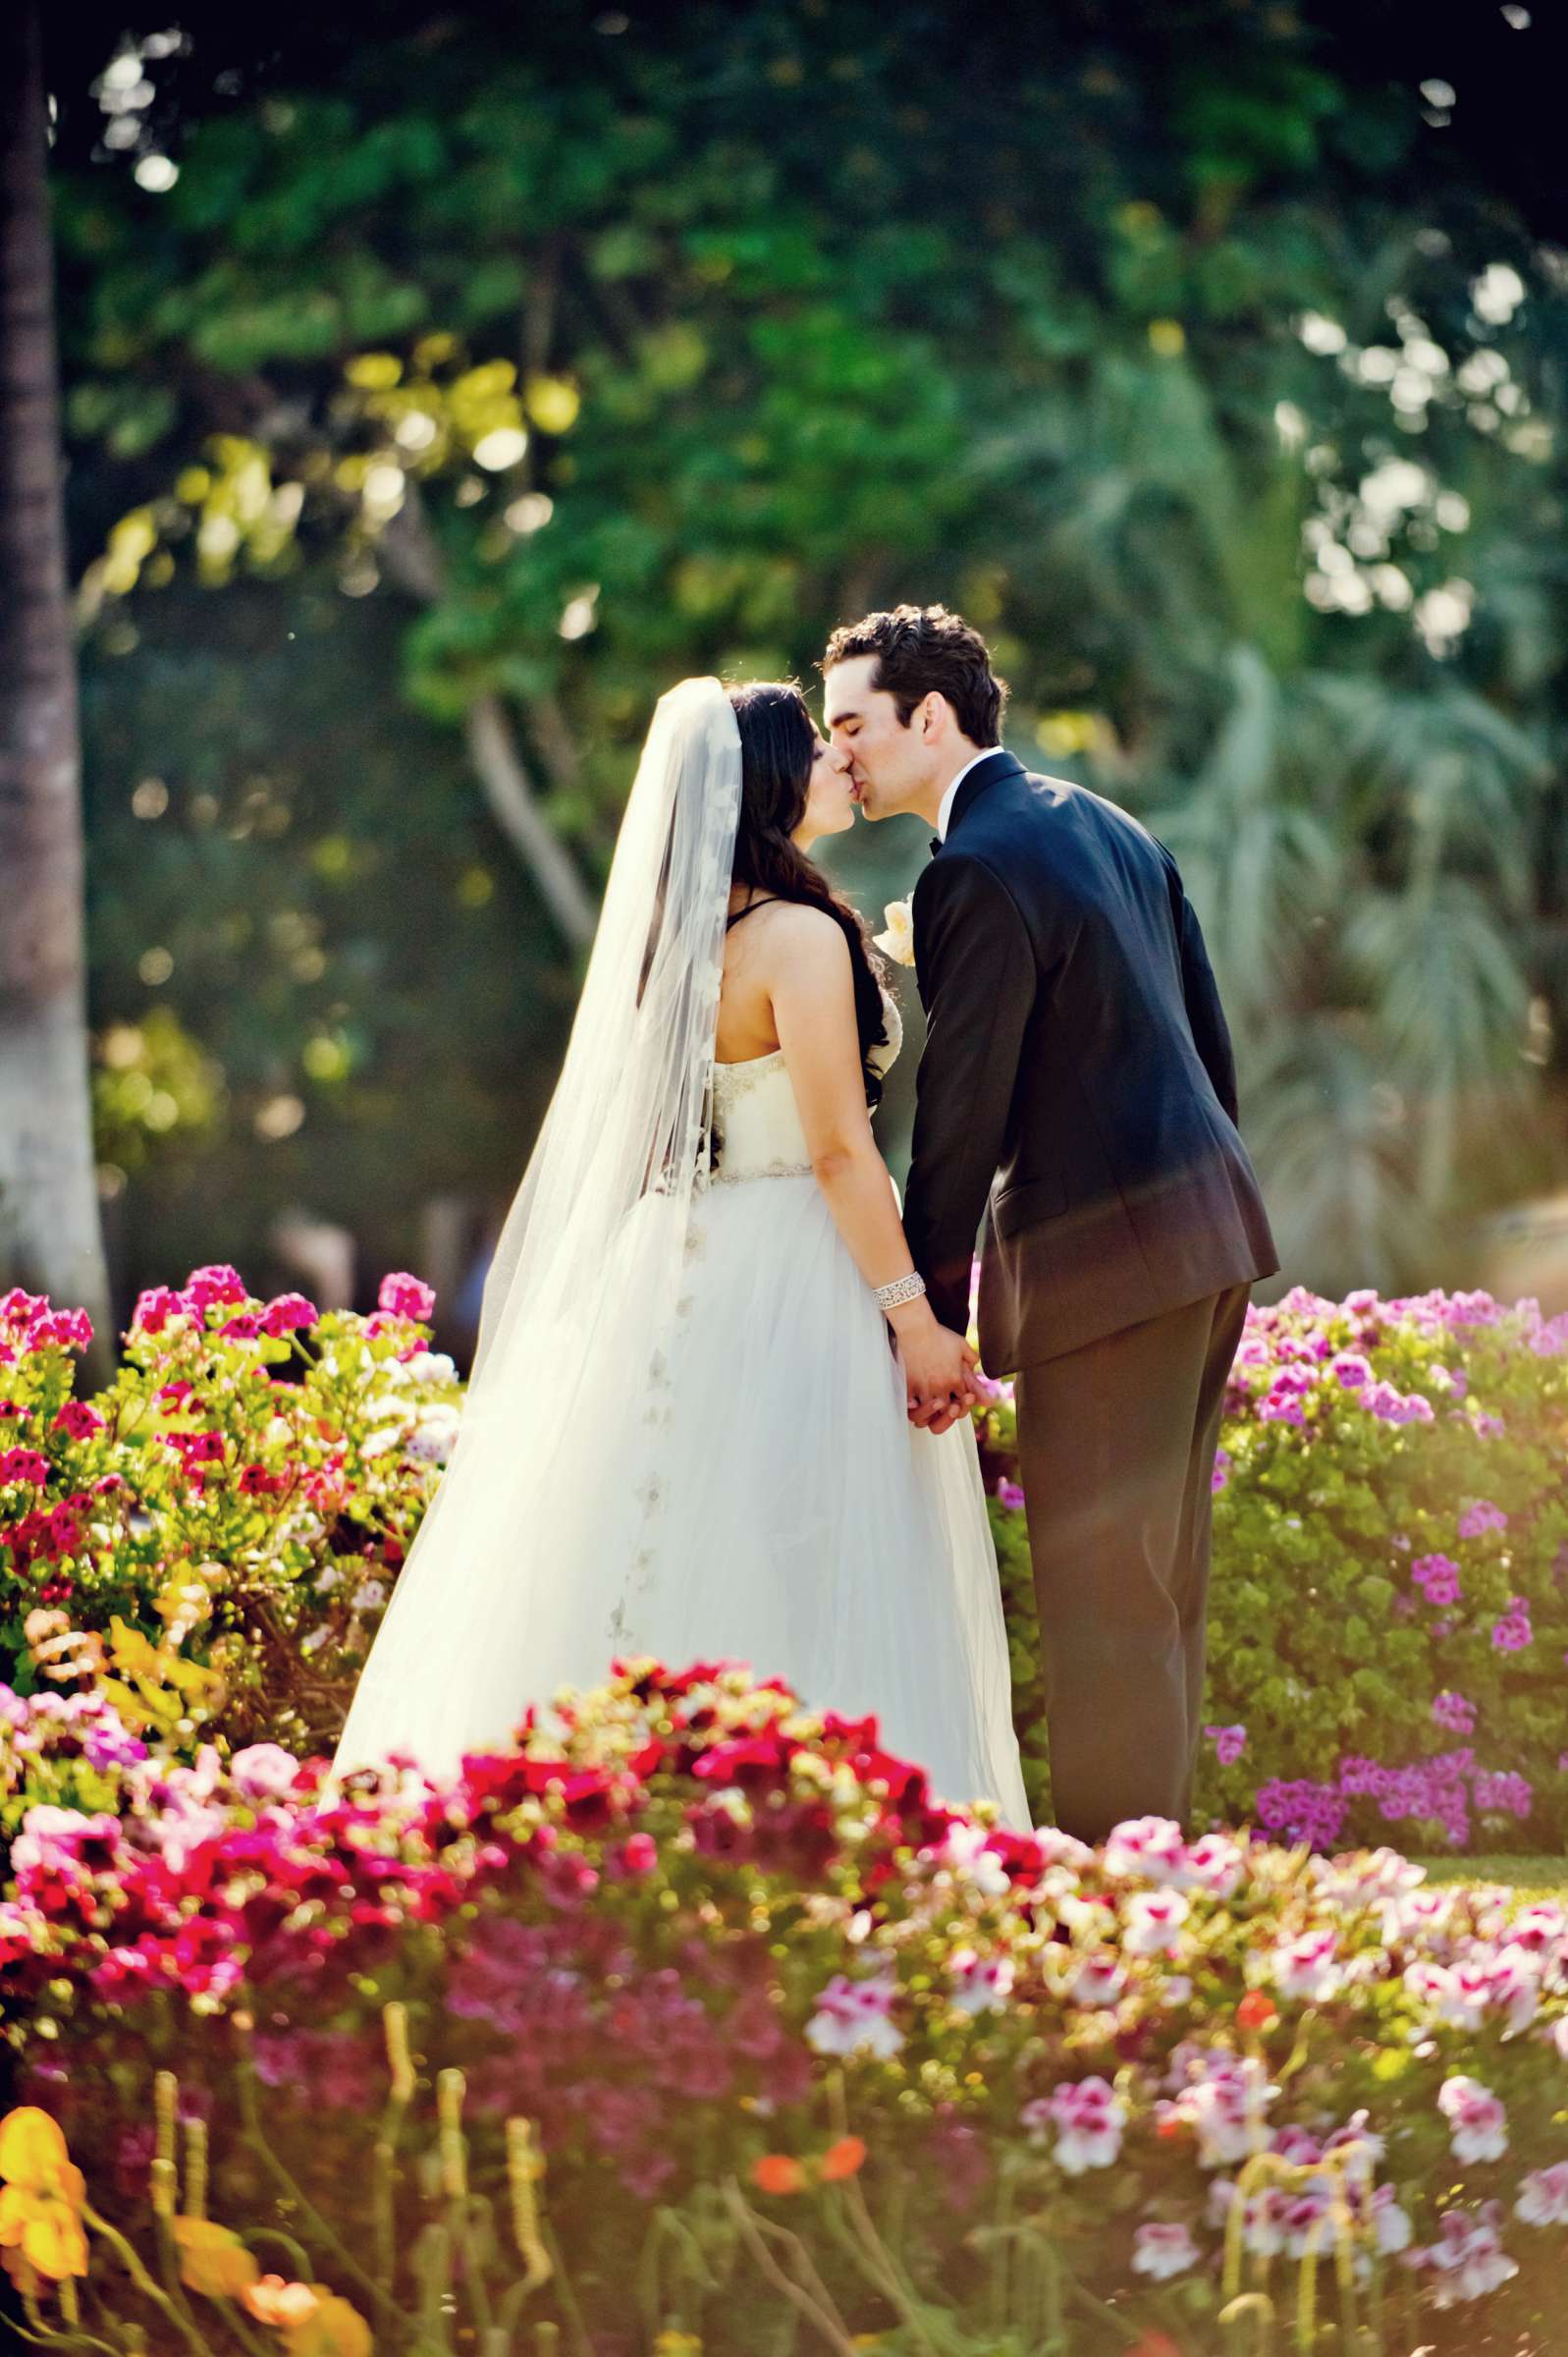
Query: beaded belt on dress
x=776, y=1169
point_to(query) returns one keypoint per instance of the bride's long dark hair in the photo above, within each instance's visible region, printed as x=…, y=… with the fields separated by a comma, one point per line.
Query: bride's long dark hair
x=777, y=745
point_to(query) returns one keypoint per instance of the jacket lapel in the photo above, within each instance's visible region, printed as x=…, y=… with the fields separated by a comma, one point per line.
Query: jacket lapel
x=984, y=774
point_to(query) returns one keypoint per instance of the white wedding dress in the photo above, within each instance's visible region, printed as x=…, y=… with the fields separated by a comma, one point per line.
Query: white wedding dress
x=686, y=1434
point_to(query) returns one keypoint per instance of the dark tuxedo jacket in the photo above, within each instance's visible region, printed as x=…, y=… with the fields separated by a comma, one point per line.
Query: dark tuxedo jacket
x=1077, y=1075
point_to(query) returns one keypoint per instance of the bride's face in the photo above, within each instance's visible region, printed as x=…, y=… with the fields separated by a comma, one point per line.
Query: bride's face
x=829, y=801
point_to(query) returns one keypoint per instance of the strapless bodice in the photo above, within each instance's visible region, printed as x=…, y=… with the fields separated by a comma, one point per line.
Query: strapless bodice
x=756, y=1126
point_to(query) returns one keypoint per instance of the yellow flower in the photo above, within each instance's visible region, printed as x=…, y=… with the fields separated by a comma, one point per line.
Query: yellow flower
x=899, y=941
x=42, y=2204
x=336, y=2329
x=212, y=2259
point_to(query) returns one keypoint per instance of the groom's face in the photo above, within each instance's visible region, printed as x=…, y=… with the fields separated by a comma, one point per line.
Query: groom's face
x=889, y=761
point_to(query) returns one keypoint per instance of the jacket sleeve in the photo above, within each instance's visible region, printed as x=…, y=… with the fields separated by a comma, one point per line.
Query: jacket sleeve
x=977, y=976
x=1206, y=1018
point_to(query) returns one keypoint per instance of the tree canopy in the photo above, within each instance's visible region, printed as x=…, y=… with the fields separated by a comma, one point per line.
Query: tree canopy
x=556, y=353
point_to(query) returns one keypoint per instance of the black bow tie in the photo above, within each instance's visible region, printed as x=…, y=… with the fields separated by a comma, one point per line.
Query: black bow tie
x=936, y=845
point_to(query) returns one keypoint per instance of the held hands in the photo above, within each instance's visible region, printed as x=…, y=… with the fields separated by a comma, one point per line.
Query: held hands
x=938, y=1368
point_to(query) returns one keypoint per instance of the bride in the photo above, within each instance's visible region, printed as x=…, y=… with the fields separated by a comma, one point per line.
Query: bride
x=686, y=1432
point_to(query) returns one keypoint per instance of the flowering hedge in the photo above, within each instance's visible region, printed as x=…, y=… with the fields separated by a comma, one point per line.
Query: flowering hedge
x=212, y=1537
x=1389, y=1600
x=691, y=2014
x=216, y=1534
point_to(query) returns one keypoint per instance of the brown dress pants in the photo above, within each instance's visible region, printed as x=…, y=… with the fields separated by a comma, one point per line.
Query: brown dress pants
x=1117, y=1443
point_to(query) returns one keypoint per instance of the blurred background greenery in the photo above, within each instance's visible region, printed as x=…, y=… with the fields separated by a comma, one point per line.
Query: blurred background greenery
x=444, y=381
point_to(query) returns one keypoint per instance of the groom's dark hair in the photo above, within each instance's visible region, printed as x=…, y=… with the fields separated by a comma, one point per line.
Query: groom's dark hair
x=925, y=649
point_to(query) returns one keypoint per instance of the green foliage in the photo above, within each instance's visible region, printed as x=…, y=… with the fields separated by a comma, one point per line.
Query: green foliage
x=1367, y=1694
x=210, y=1540
x=623, y=356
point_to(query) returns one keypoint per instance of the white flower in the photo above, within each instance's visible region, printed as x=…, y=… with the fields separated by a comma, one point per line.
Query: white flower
x=369, y=1596
x=1089, y=2118
x=1478, y=2128
x=1214, y=1864
x=899, y=941
x=1543, y=2197
x=854, y=2016
x=1148, y=1850
x=1152, y=1922
x=1391, y=2227
x=1100, y=1980
x=1159, y=2250
x=1467, y=2254
x=981, y=1985
x=1306, y=1967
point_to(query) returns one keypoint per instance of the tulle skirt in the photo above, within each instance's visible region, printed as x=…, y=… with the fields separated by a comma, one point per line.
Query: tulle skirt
x=749, y=1490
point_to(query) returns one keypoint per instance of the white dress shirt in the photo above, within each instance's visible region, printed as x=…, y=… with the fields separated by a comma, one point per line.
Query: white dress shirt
x=946, y=810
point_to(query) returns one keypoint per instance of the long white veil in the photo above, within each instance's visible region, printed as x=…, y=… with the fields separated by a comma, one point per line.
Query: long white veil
x=585, y=1281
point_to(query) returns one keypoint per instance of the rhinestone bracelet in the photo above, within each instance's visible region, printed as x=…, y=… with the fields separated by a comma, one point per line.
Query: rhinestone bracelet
x=902, y=1289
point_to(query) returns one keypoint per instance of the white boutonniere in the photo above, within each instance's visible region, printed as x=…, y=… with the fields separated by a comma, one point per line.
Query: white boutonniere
x=899, y=941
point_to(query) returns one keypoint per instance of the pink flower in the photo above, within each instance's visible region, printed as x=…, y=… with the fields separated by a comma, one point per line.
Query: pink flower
x=405, y=1297
x=1089, y=2119
x=263, y=1771
x=1543, y=2197
x=213, y=1286
x=1161, y=2250
x=1513, y=1632
x=1453, y=1712
x=1009, y=1493
x=639, y=1853
x=289, y=1313
x=1478, y=1519
x=1229, y=1743
x=1478, y=2126
x=1221, y=1476
x=1352, y=1370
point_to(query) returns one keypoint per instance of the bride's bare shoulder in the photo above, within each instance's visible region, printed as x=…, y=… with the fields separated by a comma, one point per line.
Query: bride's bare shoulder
x=801, y=936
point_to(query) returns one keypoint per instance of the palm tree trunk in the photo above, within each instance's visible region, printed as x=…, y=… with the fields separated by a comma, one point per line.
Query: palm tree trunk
x=50, y=1233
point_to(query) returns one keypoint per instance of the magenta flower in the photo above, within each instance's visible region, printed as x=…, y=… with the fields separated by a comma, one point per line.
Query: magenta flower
x=1513, y=1632
x=1437, y=1576
x=1229, y=1743
x=1453, y=1712
x=1220, y=1475
x=405, y=1297
x=289, y=1313
x=1009, y=1495
x=1352, y=1370
x=78, y=1420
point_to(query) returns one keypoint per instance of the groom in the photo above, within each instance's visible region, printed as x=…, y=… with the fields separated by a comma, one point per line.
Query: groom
x=1077, y=1081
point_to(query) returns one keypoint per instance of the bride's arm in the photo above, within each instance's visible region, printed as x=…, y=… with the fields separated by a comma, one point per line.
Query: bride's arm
x=811, y=987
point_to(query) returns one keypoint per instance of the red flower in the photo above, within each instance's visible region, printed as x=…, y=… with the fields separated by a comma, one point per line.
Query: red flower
x=846, y=2159
x=777, y=2172
x=1255, y=2010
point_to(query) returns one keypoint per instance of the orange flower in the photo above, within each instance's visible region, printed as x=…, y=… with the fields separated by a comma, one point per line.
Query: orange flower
x=777, y=2172
x=1256, y=2012
x=846, y=2159
x=212, y=2259
x=273, y=2300
x=44, y=2195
